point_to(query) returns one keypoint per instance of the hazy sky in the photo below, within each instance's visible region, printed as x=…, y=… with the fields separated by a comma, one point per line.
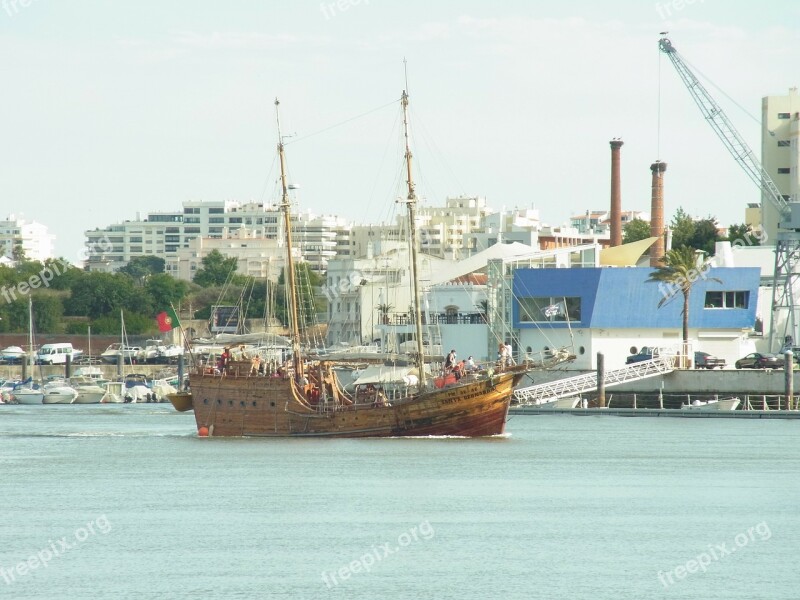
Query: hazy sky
x=112, y=108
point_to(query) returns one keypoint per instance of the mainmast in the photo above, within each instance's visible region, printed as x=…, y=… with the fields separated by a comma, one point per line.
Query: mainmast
x=411, y=203
x=297, y=361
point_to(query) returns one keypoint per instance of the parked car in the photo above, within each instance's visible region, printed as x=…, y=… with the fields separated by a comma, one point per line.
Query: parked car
x=704, y=360
x=758, y=360
x=646, y=353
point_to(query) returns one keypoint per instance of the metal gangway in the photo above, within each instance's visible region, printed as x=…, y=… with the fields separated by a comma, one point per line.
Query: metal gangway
x=573, y=386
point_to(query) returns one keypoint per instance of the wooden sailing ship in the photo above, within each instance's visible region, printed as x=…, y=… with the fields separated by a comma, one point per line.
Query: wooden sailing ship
x=306, y=399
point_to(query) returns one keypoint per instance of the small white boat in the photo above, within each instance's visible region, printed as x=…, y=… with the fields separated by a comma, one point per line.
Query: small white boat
x=112, y=354
x=28, y=395
x=89, y=392
x=560, y=403
x=12, y=354
x=713, y=405
x=115, y=393
x=59, y=393
x=161, y=388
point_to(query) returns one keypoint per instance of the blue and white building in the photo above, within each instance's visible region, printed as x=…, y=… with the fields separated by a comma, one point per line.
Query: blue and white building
x=616, y=311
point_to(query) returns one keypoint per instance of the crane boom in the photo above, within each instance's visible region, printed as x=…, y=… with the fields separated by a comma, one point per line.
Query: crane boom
x=723, y=127
x=785, y=311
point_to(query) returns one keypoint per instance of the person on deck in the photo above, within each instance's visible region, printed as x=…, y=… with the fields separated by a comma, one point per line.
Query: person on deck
x=450, y=361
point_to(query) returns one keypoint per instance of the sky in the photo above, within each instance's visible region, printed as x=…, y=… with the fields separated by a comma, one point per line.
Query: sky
x=110, y=109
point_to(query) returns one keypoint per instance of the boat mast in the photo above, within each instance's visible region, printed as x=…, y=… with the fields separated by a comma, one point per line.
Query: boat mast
x=30, y=333
x=297, y=362
x=411, y=204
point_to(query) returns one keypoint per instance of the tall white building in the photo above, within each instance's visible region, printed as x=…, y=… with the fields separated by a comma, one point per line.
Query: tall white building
x=33, y=237
x=780, y=154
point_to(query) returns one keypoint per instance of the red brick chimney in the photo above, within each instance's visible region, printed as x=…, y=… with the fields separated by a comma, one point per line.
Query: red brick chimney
x=657, y=212
x=616, y=194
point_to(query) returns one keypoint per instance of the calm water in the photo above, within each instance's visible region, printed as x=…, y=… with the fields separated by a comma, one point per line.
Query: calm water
x=128, y=503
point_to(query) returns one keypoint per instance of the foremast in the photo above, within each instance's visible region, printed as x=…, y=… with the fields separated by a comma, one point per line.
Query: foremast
x=411, y=205
x=297, y=361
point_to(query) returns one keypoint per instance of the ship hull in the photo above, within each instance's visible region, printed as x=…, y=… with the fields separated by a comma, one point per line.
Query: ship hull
x=246, y=406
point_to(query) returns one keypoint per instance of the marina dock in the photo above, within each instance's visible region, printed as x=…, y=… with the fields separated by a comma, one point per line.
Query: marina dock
x=656, y=412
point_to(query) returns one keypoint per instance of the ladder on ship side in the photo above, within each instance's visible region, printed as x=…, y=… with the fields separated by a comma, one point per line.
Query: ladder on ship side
x=573, y=386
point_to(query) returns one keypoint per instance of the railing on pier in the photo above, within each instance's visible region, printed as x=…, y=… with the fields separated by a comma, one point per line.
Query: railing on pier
x=573, y=386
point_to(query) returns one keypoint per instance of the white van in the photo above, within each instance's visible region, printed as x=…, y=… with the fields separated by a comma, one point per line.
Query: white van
x=56, y=354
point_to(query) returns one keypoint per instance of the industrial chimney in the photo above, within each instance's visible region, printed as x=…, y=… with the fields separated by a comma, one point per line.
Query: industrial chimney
x=657, y=212
x=616, y=194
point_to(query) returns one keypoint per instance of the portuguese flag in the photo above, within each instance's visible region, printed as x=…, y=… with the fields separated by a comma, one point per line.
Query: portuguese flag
x=167, y=320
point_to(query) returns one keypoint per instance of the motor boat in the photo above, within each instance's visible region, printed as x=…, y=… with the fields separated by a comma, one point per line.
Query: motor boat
x=713, y=405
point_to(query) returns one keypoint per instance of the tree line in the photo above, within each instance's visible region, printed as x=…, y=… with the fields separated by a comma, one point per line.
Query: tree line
x=700, y=234
x=67, y=299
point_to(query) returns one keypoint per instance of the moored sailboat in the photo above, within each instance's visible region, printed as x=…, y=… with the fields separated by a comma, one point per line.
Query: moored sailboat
x=306, y=399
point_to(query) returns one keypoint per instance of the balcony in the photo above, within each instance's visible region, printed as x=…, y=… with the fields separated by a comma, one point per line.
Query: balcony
x=473, y=318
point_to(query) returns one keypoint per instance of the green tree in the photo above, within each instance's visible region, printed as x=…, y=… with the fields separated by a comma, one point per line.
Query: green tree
x=18, y=252
x=635, y=230
x=216, y=269
x=99, y=294
x=48, y=310
x=706, y=235
x=165, y=290
x=141, y=267
x=682, y=226
x=742, y=234
x=679, y=272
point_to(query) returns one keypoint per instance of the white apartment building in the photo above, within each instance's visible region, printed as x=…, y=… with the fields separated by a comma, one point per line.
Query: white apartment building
x=33, y=237
x=440, y=229
x=517, y=225
x=599, y=221
x=780, y=154
x=170, y=235
x=256, y=256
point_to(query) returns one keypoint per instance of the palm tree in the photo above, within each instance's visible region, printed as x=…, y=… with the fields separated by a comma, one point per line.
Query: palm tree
x=384, y=309
x=483, y=307
x=680, y=272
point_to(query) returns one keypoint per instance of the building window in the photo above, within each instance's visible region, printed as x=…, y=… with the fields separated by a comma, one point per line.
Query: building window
x=784, y=171
x=549, y=309
x=727, y=299
x=191, y=211
x=216, y=210
x=191, y=230
x=784, y=143
x=216, y=219
x=783, y=115
x=235, y=220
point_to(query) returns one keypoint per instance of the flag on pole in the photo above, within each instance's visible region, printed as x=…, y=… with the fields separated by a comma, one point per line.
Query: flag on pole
x=167, y=320
x=552, y=310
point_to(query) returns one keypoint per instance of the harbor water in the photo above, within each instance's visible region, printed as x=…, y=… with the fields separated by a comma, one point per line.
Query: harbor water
x=126, y=502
